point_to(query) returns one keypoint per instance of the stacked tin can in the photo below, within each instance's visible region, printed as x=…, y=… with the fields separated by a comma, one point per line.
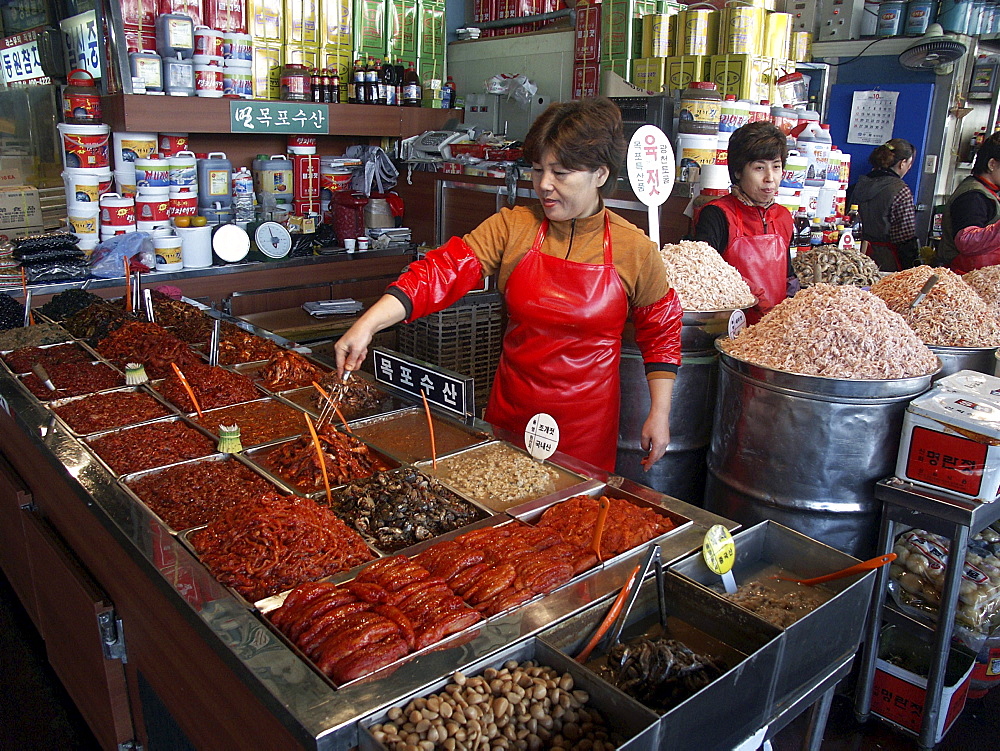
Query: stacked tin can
x=305, y=175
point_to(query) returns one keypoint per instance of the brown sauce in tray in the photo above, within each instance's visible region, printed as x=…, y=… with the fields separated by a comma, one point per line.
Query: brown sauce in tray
x=260, y=422
x=406, y=437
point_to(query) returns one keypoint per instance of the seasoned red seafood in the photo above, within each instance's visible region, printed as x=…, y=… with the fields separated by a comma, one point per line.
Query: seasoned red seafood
x=149, y=446
x=114, y=409
x=212, y=386
x=627, y=525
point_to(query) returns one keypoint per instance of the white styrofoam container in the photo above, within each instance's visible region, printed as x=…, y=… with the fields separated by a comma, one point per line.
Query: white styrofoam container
x=951, y=442
x=970, y=382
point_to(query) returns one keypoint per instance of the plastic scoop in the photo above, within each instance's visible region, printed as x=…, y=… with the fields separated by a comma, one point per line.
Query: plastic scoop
x=319, y=456
x=602, y=516
x=871, y=563
x=616, y=609
x=430, y=428
x=187, y=387
x=928, y=285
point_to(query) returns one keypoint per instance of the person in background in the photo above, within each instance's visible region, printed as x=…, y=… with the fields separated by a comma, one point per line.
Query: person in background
x=885, y=203
x=747, y=227
x=970, y=233
x=571, y=272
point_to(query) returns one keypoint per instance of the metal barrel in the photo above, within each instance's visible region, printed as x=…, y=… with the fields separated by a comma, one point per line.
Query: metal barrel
x=681, y=471
x=805, y=451
x=954, y=359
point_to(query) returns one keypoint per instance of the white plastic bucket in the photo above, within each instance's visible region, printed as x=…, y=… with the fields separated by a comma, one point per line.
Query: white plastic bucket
x=153, y=173
x=87, y=243
x=125, y=182
x=85, y=146
x=197, y=243
x=83, y=218
x=208, y=81
x=794, y=175
x=182, y=169
x=207, y=42
x=82, y=186
x=117, y=211
x=168, y=252
x=152, y=205
x=154, y=227
x=237, y=46
x=132, y=146
x=693, y=152
x=173, y=143
x=183, y=201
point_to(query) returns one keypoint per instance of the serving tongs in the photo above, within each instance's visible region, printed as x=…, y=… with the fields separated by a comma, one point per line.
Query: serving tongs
x=617, y=616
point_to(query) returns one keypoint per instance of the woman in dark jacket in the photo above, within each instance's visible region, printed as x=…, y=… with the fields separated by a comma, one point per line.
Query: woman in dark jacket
x=970, y=230
x=885, y=203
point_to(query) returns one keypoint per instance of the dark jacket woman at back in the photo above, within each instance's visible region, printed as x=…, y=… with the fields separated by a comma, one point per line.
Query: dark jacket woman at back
x=970, y=232
x=885, y=203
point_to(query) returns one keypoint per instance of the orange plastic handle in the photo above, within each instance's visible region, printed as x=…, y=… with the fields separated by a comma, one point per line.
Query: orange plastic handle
x=871, y=563
x=616, y=609
x=602, y=516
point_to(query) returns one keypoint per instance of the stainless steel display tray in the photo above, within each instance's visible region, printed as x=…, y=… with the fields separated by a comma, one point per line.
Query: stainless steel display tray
x=175, y=418
x=565, y=479
x=128, y=479
x=20, y=379
x=476, y=437
x=303, y=399
x=55, y=404
x=210, y=414
x=637, y=725
x=252, y=370
x=831, y=632
x=92, y=355
x=729, y=709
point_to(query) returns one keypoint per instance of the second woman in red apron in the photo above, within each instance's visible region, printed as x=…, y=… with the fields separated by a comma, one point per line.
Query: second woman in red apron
x=571, y=272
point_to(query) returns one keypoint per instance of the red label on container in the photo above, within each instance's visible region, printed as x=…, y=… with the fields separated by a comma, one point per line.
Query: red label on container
x=947, y=461
x=82, y=107
x=585, y=81
x=903, y=703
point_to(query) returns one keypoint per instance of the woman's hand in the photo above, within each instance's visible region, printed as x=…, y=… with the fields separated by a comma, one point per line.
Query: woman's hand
x=352, y=348
x=656, y=429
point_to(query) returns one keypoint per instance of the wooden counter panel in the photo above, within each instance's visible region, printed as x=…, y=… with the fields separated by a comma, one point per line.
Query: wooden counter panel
x=213, y=707
x=13, y=554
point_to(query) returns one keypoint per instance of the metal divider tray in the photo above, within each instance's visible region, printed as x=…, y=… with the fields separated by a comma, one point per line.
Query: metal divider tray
x=91, y=354
x=132, y=477
x=819, y=640
x=175, y=418
x=532, y=511
x=252, y=370
x=303, y=399
x=21, y=376
x=638, y=727
x=258, y=454
x=729, y=709
x=565, y=478
x=211, y=414
x=56, y=403
x=419, y=448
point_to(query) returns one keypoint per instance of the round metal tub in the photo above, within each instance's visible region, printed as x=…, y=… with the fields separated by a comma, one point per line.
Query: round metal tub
x=805, y=451
x=681, y=471
x=954, y=359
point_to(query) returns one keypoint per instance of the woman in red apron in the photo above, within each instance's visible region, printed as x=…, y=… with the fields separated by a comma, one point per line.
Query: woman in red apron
x=571, y=273
x=751, y=231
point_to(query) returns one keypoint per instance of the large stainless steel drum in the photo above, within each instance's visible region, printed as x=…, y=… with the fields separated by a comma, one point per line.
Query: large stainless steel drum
x=805, y=451
x=681, y=471
x=954, y=359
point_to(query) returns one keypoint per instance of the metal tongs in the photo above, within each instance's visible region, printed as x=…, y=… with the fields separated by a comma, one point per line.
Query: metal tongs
x=617, y=616
x=213, y=344
x=332, y=399
x=928, y=286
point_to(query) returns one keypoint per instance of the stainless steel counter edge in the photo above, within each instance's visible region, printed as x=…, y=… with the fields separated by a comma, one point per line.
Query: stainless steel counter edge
x=321, y=717
x=162, y=277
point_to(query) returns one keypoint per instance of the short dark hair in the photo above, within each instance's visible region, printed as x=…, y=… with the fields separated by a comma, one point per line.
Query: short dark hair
x=891, y=153
x=989, y=150
x=753, y=142
x=585, y=134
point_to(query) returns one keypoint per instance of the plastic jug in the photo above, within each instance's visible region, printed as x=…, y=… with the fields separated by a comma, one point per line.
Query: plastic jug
x=811, y=145
x=215, y=174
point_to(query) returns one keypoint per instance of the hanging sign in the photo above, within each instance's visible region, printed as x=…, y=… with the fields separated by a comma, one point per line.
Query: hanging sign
x=278, y=117
x=446, y=389
x=651, y=172
x=873, y=115
x=83, y=43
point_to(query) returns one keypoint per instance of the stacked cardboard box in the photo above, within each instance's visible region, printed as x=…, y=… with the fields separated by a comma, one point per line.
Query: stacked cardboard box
x=587, y=51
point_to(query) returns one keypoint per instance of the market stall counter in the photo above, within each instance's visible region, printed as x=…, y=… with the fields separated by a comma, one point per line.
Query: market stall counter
x=215, y=662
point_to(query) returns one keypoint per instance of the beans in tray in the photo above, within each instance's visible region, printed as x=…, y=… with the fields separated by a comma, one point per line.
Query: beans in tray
x=150, y=446
x=213, y=387
x=11, y=313
x=271, y=543
x=402, y=507
x=259, y=421
x=74, y=379
x=289, y=370
x=521, y=705
x=497, y=472
x=149, y=344
x=346, y=459
x=193, y=494
x=392, y=608
x=627, y=525
x=114, y=409
x=21, y=360
x=33, y=336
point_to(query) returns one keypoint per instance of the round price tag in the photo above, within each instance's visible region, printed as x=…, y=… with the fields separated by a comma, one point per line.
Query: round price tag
x=650, y=165
x=737, y=322
x=719, y=550
x=541, y=436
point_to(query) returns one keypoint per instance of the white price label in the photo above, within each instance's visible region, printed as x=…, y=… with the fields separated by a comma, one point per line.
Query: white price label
x=541, y=436
x=737, y=322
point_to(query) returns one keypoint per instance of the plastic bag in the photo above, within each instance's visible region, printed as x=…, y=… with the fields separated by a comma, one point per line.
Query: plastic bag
x=57, y=271
x=107, y=259
x=917, y=577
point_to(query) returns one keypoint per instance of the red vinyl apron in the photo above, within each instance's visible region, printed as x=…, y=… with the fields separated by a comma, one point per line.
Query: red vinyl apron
x=763, y=262
x=561, y=350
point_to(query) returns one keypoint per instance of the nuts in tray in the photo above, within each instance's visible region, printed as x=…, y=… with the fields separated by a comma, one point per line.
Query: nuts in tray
x=526, y=705
x=498, y=472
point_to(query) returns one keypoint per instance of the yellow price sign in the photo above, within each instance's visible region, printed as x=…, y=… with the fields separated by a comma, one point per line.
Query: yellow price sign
x=719, y=550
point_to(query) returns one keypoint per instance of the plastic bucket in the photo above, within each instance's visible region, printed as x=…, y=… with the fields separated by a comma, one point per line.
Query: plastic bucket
x=154, y=227
x=955, y=15
x=82, y=186
x=154, y=173
x=152, y=205
x=919, y=15
x=117, y=210
x=183, y=201
x=794, y=174
x=132, y=146
x=173, y=143
x=891, y=16
x=83, y=218
x=208, y=81
x=197, y=246
x=87, y=243
x=85, y=146
x=168, y=253
x=237, y=82
x=182, y=169
x=237, y=46
x=693, y=152
x=207, y=42
x=125, y=182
